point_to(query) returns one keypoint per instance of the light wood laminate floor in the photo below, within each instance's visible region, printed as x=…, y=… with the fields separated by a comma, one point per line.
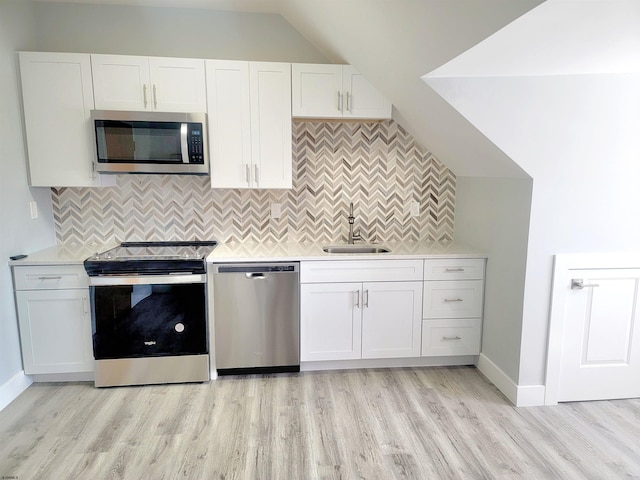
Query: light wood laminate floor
x=410, y=423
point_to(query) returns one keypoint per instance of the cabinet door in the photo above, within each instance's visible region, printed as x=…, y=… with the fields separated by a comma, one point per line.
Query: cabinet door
x=58, y=98
x=121, y=82
x=330, y=322
x=316, y=90
x=270, y=87
x=55, y=331
x=177, y=84
x=229, y=123
x=391, y=319
x=361, y=99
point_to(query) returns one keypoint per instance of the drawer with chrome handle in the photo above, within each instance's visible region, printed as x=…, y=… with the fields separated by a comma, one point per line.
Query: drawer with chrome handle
x=454, y=269
x=451, y=337
x=49, y=277
x=450, y=299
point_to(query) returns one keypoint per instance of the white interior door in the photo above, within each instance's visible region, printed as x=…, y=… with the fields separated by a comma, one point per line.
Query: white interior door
x=600, y=356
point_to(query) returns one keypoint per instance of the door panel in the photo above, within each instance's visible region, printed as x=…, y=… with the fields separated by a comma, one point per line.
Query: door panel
x=601, y=336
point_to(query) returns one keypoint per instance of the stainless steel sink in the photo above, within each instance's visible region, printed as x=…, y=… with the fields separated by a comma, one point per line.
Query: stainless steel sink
x=355, y=249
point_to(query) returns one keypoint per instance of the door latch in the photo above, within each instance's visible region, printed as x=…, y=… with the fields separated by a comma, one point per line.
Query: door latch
x=578, y=284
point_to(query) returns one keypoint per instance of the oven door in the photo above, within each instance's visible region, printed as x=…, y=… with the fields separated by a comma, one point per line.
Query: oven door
x=148, y=316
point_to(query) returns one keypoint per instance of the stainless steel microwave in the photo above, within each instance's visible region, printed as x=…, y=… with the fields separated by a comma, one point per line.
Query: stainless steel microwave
x=150, y=142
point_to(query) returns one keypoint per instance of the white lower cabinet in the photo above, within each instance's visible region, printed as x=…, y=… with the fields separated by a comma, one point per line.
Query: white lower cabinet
x=365, y=318
x=452, y=307
x=54, y=318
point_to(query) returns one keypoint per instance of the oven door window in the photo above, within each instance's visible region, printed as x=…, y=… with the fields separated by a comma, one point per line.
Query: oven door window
x=148, y=320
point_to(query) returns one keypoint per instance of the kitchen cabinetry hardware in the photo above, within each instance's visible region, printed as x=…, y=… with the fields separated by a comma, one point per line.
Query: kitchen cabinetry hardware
x=17, y=257
x=61, y=307
x=336, y=324
x=57, y=98
x=132, y=83
x=452, y=307
x=314, y=88
x=249, y=108
x=578, y=284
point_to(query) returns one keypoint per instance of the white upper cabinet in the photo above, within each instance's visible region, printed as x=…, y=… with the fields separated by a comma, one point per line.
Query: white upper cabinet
x=124, y=82
x=335, y=91
x=57, y=99
x=249, y=108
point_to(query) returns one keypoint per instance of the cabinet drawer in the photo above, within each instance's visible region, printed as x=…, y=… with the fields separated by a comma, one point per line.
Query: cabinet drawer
x=451, y=337
x=461, y=299
x=50, y=277
x=454, y=269
x=361, y=271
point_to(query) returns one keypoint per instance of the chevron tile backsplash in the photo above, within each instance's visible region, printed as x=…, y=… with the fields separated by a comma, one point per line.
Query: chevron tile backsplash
x=377, y=166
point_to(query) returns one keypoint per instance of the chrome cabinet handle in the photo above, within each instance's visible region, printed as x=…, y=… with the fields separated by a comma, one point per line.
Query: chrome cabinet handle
x=255, y=174
x=339, y=101
x=348, y=102
x=357, y=292
x=84, y=306
x=451, y=270
x=247, y=173
x=365, y=298
x=451, y=300
x=144, y=94
x=58, y=277
x=155, y=97
x=578, y=284
x=447, y=339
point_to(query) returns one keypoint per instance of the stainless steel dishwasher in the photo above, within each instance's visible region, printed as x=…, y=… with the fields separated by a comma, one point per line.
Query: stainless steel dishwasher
x=257, y=317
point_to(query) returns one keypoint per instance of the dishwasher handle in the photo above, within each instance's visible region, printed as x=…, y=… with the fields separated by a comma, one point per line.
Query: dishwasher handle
x=255, y=276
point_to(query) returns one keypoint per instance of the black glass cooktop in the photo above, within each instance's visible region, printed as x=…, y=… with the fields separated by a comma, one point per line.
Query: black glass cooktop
x=151, y=258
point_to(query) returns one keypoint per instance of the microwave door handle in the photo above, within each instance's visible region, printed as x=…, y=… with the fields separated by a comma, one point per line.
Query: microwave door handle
x=183, y=143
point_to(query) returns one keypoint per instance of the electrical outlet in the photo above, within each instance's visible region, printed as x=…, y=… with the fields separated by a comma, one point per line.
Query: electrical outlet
x=33, y=208
x=415, y=209
x=276, y=210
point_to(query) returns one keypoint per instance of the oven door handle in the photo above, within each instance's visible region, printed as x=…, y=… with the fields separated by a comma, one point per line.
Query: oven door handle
x=108, y=280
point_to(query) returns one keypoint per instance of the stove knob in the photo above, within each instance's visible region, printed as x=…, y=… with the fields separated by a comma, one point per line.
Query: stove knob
x=179, y=327
x=109, y=256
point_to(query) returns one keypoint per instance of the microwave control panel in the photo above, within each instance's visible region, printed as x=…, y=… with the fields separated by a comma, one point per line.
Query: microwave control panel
x=196, y=154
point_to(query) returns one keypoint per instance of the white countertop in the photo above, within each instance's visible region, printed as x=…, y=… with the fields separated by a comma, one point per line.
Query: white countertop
x=276, y=252
x=70, y=254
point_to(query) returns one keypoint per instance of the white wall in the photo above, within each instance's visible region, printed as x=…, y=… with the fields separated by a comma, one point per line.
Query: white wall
x=493, y=215
x=18, y=233
x=394, y=43
x=170, y=32
x=575, y=134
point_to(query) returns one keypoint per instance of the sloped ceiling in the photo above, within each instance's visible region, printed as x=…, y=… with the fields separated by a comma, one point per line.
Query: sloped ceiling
x=393, y=44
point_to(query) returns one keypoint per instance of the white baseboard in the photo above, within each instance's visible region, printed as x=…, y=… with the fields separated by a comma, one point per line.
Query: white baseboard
x=13, y=387
x=520, y=396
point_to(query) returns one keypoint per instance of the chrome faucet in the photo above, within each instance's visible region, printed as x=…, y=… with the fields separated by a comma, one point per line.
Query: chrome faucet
x=352, y=236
